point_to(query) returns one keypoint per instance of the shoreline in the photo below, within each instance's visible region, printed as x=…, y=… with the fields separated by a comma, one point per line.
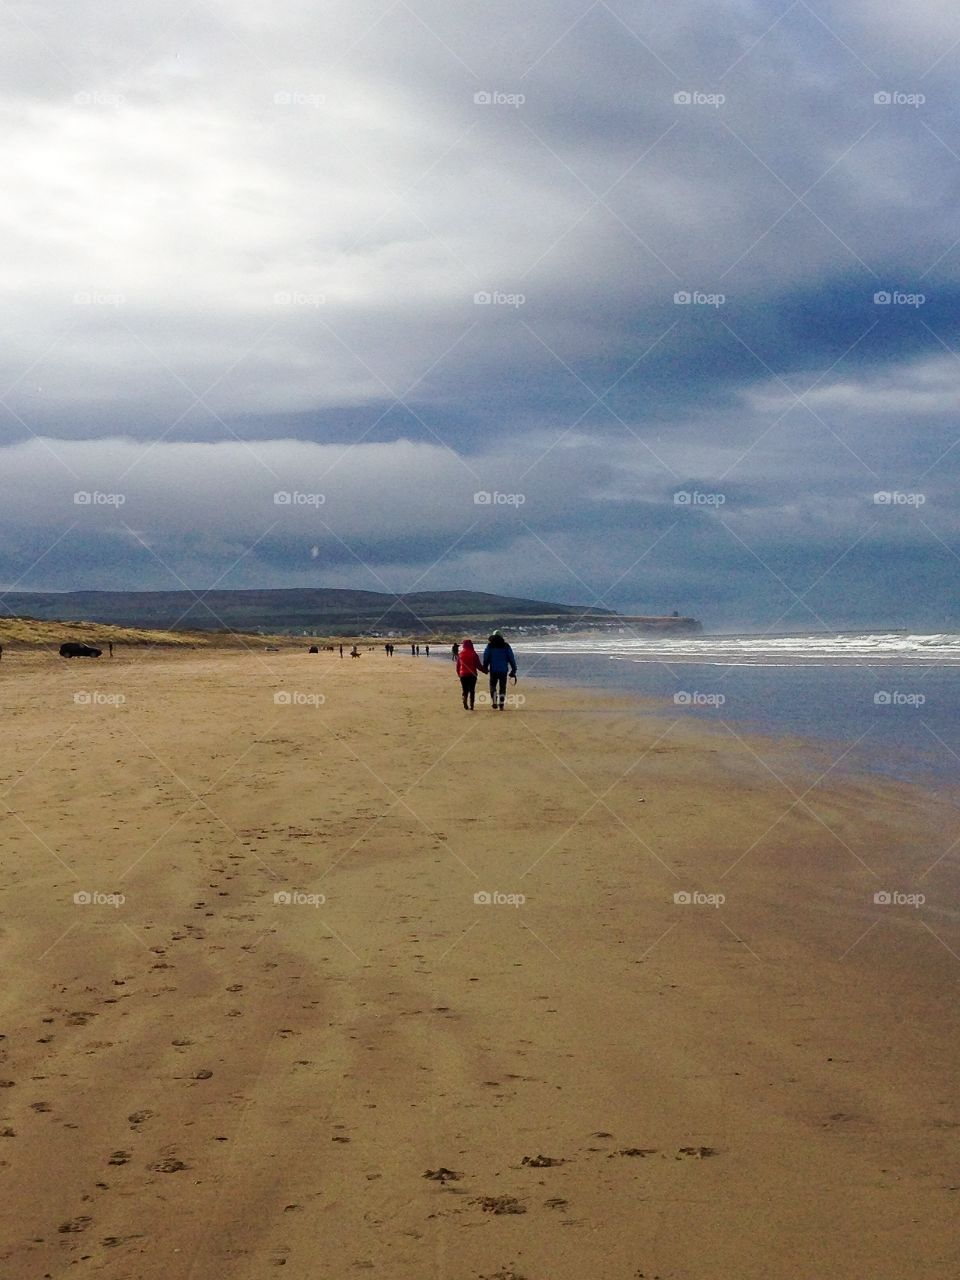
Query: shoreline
x=206, y=1081
x=902, y=764
x=803, y=752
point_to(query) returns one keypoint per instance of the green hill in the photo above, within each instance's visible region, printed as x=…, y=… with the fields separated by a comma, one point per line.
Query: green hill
x=318, y=610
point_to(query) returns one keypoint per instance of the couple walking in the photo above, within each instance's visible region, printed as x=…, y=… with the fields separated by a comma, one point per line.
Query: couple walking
x=497, y=661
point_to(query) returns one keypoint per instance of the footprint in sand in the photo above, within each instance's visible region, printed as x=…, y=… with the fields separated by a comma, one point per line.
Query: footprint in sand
x=75, y=1224
x=169, y=1164
x=499, y=1204
x=95, y=1046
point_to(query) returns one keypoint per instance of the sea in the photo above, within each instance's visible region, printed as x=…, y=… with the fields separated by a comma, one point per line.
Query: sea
x=888, y=701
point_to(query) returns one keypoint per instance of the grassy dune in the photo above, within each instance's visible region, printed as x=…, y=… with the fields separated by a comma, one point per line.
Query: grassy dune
x=31, y=633
x=35, y=633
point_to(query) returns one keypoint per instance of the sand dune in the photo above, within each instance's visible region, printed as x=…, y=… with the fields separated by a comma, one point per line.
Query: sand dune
x=205, y=1080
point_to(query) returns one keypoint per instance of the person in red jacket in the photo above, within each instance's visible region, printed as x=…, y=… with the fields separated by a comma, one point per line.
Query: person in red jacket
x=468, y=664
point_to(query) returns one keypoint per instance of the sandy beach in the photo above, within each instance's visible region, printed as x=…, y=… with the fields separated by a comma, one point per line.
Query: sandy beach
x=277, y=1029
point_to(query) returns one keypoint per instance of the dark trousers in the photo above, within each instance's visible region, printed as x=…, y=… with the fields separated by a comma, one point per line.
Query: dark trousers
x=498, y=689
x=469, y=686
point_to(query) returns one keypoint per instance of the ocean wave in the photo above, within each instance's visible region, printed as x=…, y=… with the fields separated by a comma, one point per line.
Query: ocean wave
x=756, y=650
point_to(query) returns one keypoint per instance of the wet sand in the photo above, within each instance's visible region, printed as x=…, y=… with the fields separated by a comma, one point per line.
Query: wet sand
x=582, y=1076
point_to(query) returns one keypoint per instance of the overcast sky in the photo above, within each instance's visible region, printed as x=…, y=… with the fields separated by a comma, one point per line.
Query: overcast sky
x=675, y=286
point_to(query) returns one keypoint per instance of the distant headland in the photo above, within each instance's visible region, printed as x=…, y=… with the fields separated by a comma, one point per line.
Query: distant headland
x=327, y=611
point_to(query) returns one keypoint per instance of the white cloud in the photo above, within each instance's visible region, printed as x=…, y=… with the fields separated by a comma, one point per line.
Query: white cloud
x=921, y=388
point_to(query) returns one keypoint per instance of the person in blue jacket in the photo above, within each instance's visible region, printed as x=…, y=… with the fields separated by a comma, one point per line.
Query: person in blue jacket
x=498, y=661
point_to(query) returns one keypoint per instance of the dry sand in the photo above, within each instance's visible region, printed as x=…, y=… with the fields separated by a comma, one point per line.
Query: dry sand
x=203, y=1082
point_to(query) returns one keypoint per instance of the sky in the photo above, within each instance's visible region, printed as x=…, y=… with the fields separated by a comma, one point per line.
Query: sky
x=642, y=306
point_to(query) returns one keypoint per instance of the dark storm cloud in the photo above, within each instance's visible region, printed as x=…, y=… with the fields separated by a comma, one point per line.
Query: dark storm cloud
x=594, y=255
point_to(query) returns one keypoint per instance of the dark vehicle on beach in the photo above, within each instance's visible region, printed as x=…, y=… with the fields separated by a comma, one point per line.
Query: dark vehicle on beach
x=73, y=649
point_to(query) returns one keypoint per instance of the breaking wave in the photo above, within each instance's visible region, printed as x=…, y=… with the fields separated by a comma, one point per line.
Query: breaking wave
x=818, y=649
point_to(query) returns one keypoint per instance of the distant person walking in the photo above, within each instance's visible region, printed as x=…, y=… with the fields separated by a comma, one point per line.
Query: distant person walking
x=454, y=650
x=498, y=662
x=428, y=651
x=341, y=651
x=468, y=665
x=110, y=647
